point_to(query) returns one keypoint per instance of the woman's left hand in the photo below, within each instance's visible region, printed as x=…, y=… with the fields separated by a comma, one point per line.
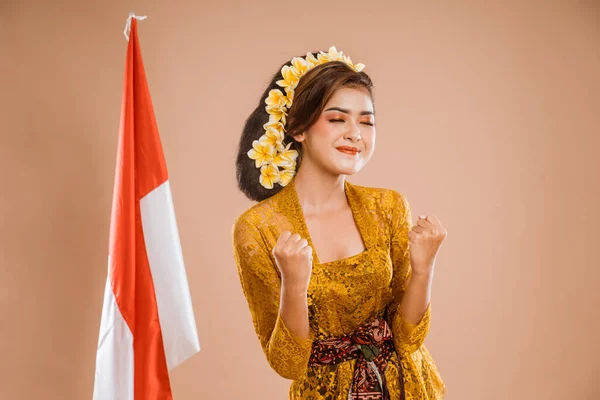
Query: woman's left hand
x=425, y=238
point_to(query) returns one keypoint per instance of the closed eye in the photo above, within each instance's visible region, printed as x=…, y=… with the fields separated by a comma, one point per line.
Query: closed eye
x=341, y=120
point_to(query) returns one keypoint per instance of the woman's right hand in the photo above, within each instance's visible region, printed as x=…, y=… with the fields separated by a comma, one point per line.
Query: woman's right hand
x=294, y=259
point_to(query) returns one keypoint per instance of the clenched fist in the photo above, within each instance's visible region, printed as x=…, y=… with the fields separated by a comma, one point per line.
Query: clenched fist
x=294, y=259
x=425, y=238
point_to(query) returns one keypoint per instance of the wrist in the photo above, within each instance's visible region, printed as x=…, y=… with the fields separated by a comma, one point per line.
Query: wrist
x=293, y=289
x=422, y=276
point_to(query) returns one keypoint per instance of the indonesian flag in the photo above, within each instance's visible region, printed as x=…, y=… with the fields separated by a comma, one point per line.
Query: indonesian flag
x=147, y=326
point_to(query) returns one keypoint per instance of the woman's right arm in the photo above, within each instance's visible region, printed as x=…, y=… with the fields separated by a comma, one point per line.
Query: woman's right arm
x=278, y=306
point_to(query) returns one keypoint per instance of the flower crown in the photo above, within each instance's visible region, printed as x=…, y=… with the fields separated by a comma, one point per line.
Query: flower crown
x=268, y=151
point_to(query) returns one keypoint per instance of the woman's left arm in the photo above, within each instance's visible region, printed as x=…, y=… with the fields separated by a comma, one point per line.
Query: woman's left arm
x=413, y=251
x=425, y=240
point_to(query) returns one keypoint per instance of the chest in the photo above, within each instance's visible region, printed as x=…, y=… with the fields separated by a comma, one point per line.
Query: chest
x=335, y=236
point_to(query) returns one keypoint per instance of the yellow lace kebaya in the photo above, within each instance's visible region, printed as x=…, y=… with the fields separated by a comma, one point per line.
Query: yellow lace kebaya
x=342, y=294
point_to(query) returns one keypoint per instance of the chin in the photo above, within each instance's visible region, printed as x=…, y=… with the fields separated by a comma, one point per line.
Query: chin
x=345, y=167
x=348, y=170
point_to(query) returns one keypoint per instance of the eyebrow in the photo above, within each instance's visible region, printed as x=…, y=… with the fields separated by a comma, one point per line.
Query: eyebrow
x=345, y=111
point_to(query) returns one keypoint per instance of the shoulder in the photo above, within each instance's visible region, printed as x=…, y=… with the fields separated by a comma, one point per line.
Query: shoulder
x=252, y=219
x=387, y=200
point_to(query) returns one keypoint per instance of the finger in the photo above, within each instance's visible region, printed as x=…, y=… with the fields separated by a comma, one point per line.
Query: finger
x=308, y=251
x=294, y=238
x=418, y=229
x=423, y=222
x=285, y=235
x=300, y=244
x=431, y=218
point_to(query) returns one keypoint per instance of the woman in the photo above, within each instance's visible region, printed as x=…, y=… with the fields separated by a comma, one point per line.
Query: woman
x=337, y=278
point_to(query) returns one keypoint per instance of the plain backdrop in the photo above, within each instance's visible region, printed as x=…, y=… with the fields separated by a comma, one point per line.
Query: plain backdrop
x=487, y=117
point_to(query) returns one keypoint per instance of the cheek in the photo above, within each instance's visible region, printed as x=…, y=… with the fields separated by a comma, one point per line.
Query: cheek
x=370, y=138
x=323, y=130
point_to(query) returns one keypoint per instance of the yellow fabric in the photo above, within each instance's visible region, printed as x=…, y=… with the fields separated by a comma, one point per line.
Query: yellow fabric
x=342, y=294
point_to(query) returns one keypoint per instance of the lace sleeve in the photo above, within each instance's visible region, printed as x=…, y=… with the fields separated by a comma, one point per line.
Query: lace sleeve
x=407, y=337
x=286, y=353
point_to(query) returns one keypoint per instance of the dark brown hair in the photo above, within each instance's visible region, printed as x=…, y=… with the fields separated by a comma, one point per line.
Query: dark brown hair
x=314, y=90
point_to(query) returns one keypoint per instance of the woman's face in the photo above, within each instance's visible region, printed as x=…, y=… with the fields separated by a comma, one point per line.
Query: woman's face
x=347, y=122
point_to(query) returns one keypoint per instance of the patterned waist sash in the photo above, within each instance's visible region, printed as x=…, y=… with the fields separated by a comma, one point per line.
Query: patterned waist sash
x=371, y=345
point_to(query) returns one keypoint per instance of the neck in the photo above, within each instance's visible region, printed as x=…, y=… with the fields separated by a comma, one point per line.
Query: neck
x=318, y=191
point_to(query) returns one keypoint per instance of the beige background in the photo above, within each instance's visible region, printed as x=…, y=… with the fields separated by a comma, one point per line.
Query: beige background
x=488, y=117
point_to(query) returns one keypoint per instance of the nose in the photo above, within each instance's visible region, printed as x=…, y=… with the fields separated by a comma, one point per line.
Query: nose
x=353, y=132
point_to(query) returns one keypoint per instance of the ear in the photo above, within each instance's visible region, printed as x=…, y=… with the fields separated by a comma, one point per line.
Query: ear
x=299, y=137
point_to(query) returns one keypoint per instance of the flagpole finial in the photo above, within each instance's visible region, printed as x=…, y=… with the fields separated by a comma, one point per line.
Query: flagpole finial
x=128, y=24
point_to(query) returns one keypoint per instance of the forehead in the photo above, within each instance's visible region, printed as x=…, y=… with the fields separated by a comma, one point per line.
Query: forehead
x=354, y=99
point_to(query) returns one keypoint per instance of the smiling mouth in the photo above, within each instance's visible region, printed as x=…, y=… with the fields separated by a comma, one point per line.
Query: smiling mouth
x=348, y=150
